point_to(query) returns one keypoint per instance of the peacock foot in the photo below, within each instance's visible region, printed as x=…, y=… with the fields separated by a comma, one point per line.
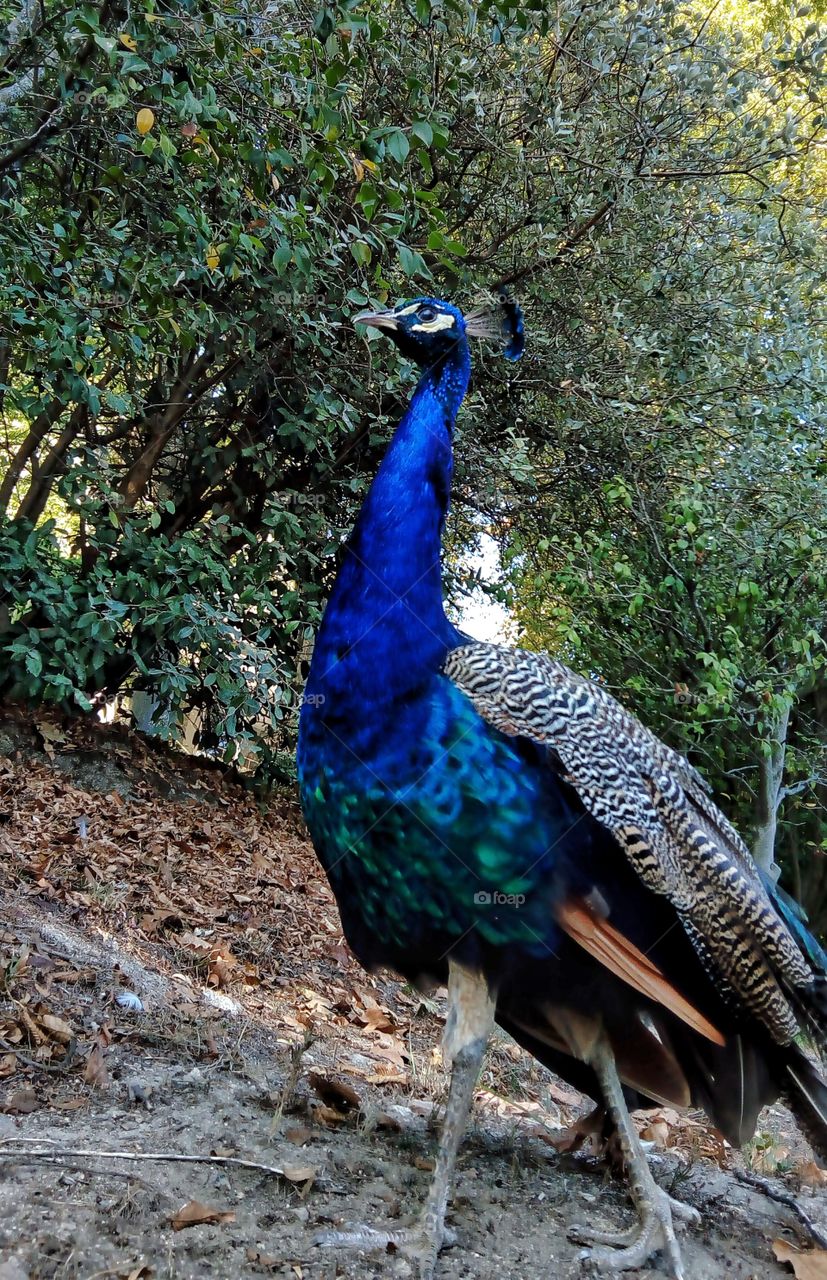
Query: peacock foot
x=633, y=1248
x=419, y=1243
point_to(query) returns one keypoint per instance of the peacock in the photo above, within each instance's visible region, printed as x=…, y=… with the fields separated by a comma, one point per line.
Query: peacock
x=490, y=820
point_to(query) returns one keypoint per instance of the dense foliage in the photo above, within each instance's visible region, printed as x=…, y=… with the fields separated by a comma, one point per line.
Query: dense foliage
x=195, y=198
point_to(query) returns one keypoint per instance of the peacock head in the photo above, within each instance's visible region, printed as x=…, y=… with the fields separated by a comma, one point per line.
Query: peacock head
x=428, y=329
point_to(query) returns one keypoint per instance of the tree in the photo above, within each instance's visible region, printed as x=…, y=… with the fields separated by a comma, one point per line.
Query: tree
x=670, y=533
x=190, y=422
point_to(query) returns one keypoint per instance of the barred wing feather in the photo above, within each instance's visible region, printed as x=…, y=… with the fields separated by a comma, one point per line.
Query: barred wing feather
x=659, y=810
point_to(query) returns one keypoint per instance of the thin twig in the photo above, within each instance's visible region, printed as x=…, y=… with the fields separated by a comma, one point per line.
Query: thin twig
x=296, y=1055
x=70, y=1165
x=13, y=1151
x=783, y=1197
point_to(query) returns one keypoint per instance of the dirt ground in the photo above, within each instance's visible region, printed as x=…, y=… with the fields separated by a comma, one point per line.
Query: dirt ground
x=173, y=982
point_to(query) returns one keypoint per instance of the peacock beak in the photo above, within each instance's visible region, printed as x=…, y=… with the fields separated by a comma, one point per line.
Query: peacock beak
x=377, y=319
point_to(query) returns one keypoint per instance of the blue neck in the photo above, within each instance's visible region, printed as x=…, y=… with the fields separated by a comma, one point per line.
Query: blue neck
x=385, y=624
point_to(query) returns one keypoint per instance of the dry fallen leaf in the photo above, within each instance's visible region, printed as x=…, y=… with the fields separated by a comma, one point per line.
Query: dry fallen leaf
x=328, y=1117
x=50, y=735
x=811, y=1174
x=299, y=1172
x=95, y=1072
x=298, y=1135
x=194, y=1214
x=386, y=1077
x=56, y=1028
x=21, y=1102
x=374, y=1017
x=657, y=1131
x=807, y=1265
x=336, y=1093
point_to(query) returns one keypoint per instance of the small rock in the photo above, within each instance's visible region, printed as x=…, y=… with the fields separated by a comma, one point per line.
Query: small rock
x=13, y=1270
x=137, y=1091
x=404, y=1115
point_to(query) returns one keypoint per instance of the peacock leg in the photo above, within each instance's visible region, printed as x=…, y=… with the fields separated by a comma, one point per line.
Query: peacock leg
x=656, y=1209
x=468, y=1026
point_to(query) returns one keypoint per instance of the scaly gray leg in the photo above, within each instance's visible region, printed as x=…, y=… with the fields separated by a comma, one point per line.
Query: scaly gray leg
x=469, y=1023
x=655, y=1208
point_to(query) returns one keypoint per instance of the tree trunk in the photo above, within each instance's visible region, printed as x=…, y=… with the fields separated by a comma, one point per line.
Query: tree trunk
x=181, y=399
x=770, y=794
x=33, y=504
x=38, y=431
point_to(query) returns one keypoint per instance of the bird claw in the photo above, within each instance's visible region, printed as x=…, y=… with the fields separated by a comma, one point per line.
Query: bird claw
x=420, y=1244
x=633, y=1248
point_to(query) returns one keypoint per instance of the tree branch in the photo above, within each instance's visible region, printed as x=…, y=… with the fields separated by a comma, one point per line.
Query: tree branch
x=572, y=239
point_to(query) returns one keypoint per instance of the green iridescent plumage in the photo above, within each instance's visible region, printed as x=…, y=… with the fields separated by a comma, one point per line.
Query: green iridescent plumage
x=454, y=838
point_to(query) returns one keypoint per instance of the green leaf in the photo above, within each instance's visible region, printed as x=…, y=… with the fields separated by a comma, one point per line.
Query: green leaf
x=362, y=252
x=411, y=262
x=368, y=197
x=422, y=130
x=398, y=145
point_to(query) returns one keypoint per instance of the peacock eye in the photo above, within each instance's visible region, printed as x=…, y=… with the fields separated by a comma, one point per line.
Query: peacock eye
x=426, y=314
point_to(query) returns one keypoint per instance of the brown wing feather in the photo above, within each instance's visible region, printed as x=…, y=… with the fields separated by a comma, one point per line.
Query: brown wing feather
x=617, y=954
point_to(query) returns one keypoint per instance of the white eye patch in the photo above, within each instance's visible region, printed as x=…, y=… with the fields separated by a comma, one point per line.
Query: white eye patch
x=444, y=321
x=407, y=311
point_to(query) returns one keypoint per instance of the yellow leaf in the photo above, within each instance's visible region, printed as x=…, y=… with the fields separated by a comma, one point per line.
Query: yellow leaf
x=144, y=120
x=370, y=165
x=128, y=41
x=213, y=257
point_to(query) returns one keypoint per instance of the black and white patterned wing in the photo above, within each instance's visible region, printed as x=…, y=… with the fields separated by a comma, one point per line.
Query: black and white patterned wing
x=659, y=810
